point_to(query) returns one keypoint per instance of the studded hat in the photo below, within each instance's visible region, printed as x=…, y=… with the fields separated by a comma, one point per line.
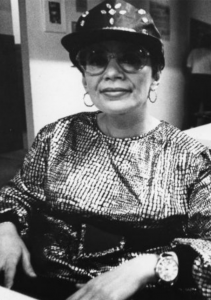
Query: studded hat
x=115, y=20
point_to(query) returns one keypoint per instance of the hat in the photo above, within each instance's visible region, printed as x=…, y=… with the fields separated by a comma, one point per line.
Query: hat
x=115, y=20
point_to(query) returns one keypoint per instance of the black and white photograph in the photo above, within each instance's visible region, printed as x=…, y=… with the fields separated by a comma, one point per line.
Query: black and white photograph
x=105, y=150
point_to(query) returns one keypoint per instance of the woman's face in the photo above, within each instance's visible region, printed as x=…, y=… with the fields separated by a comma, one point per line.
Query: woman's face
x=116, y=91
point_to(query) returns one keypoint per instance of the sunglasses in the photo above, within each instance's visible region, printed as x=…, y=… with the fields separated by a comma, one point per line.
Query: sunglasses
x=94, y=61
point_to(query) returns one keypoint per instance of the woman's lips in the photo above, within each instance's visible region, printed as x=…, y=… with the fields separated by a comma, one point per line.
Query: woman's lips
x=117, y=92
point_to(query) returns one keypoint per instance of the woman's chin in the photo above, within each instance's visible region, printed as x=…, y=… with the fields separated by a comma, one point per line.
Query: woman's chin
x=121, y=105
x=117, y=109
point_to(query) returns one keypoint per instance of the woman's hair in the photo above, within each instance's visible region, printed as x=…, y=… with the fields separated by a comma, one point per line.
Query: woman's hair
x=157, y=65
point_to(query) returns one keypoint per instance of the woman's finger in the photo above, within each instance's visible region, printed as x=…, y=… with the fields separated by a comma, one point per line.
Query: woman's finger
x=9, y=274
x=82, y=293
x=26, y=263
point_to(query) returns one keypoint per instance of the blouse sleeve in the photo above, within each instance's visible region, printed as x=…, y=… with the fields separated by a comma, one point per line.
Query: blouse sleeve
x=26, y=190
x=199, y=224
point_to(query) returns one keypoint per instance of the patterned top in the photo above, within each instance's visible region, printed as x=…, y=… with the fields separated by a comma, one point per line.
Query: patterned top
x=85, y=202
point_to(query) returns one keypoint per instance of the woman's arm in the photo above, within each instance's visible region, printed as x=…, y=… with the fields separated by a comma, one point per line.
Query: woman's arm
x=198, y=232
x=17, y=200
x=26, y=190
x=122, y=282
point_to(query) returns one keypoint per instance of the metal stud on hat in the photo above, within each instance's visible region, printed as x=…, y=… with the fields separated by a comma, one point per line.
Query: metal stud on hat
x=115, y=20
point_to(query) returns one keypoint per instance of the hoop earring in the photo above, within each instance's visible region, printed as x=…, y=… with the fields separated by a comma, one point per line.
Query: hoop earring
x=84, y=99
x=152, y=95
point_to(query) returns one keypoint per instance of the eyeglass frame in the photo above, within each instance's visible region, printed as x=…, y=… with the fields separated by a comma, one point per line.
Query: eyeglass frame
x=109, y=56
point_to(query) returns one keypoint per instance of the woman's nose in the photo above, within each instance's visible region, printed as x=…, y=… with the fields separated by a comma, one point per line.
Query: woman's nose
x=113, y=70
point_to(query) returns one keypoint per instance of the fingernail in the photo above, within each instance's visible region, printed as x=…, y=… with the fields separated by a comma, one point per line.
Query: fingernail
x=79, y=285
x=33, y=273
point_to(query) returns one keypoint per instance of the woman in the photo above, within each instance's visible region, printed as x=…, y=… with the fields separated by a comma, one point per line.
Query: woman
x=111, y=204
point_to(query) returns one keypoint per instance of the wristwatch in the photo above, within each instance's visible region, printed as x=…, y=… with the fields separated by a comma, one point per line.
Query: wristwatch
x=167, y=268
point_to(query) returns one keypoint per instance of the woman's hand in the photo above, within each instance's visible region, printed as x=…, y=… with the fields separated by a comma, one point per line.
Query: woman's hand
x=122, y=282
x=12, y=250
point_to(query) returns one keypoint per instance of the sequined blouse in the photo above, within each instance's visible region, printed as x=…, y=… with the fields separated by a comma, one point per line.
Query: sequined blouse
x=84, y=202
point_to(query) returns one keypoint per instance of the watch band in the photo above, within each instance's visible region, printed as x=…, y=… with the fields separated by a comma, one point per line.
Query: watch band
x=186, y=256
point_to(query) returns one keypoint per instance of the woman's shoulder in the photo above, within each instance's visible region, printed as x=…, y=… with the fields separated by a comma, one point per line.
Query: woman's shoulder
x=181, y=141
x=83, y=118
x=63, y=125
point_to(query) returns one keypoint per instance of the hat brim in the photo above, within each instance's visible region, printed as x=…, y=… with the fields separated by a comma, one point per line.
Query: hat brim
x=73, y=42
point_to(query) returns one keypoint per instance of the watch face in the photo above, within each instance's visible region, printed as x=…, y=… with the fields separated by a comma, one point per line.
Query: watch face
x=167, y=269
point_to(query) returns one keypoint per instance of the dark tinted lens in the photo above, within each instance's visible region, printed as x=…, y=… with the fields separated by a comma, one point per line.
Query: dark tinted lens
x=93, y=61
x=133, y=60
